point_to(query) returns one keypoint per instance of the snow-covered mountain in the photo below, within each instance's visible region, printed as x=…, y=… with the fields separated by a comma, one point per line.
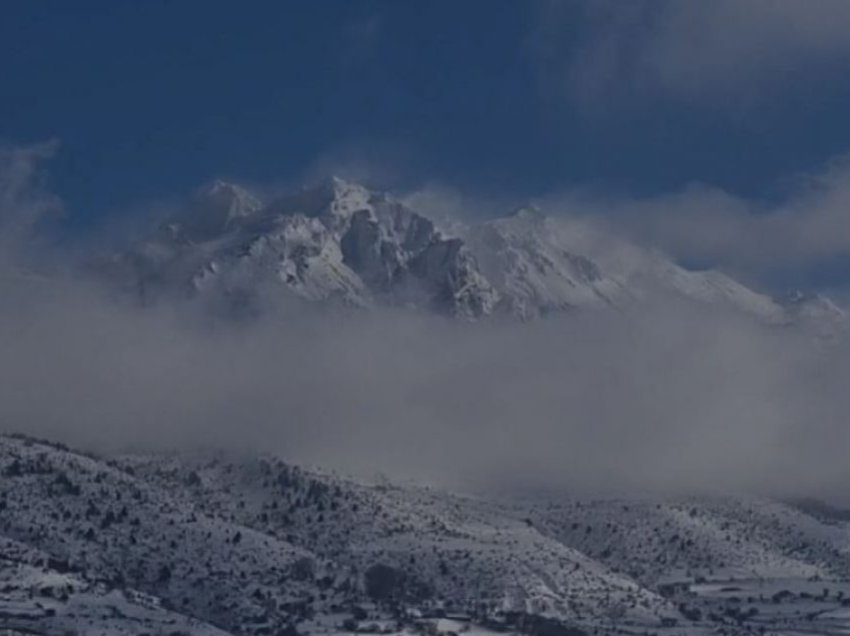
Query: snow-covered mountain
x=337, y=241
x=213, y=545
x=341, y=242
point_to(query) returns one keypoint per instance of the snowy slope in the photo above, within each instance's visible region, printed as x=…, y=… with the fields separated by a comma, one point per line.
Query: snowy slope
x=535, y=270
x=460, y=547
x=210, y=544
x=111, y=531
x=541, y=264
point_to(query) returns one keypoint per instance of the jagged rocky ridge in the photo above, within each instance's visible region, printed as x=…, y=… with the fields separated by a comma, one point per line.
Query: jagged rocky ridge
x=210, y=544
x=341, y=242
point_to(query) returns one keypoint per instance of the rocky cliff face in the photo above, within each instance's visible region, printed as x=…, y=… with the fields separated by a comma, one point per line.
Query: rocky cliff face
x=337, y=241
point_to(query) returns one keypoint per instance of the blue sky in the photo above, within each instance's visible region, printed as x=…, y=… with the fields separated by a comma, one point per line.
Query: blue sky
x=509, y=99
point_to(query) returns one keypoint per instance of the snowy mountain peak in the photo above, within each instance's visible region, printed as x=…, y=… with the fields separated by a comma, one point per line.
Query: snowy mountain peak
x=238, y=201
x=212, y=210
x=333, y=201
x=529, y=213
x=349, y=197
x=342, y=187
x=339, y=240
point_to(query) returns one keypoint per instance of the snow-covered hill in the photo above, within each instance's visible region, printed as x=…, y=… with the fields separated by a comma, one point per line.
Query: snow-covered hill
x=211, y=544
x=341, y=242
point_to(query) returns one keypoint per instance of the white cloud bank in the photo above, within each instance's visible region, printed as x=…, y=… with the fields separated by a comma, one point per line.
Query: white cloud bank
x=672, y=397
x=805, y=229
x=729, y=52
x=802, y=230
